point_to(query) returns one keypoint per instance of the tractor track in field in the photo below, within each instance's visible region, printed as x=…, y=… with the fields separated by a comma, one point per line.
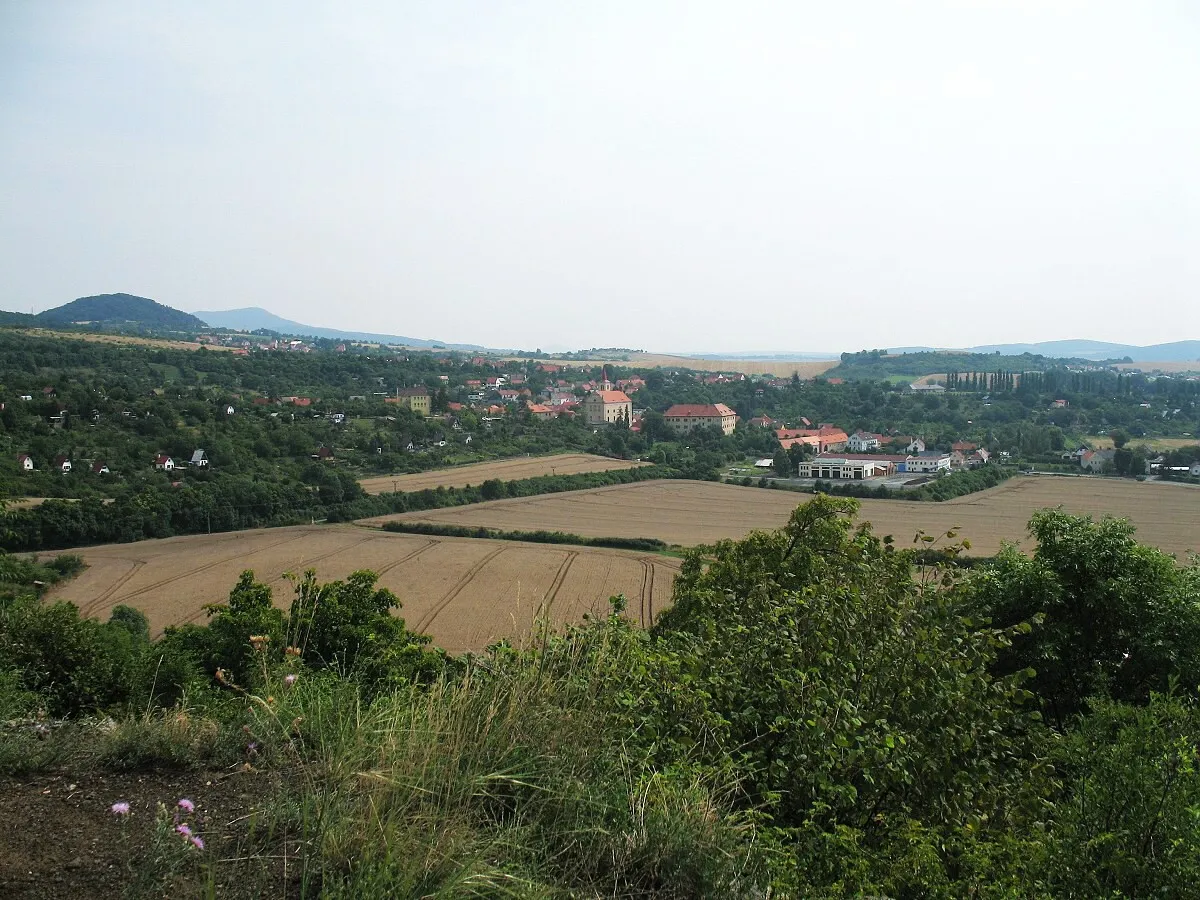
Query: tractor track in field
x=308, y=563
x=383, y=570
x=647, y=590
x=204, y=568
x=426, y=620
x=559, y=577
x=99, y=600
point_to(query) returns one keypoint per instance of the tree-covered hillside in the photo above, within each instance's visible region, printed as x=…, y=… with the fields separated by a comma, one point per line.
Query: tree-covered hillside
x=868, y=364
x=120, y=309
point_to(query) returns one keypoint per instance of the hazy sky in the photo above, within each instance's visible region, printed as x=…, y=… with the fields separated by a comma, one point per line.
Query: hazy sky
x=675, y=176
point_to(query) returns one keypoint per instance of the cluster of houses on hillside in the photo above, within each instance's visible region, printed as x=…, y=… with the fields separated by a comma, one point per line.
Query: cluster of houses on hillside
x=64, y=464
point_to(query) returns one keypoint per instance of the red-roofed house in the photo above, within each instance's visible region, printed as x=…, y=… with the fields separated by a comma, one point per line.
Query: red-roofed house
x=63, y=464
x=541, y=411
x=164, y=464
x=821, y=439
x=25, y=462
x=606, y=407
x=684, y=417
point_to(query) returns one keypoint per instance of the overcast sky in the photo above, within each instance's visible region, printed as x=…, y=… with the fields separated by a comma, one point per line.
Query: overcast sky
x=682, y=176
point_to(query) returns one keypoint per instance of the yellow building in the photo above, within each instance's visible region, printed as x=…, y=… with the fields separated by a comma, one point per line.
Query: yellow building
x=684, y=417
x=417, y=399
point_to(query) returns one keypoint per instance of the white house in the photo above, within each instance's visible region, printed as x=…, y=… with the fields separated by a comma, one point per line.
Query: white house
x=25, y=462
x=164, y=464
x=199, y=459
x=834, y=467
x=862, y=442
x=63, y=464
x=931, y=461
x=915, y=446
x=1096, y=460
x=229, y=410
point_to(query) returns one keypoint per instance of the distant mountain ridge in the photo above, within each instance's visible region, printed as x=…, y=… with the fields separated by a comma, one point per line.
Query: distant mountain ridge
x=253, y=318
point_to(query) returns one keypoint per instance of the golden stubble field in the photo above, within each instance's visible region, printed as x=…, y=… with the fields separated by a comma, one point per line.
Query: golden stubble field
x=503, y=469
x=693, y=512
x=465, y=593
x=131, y=340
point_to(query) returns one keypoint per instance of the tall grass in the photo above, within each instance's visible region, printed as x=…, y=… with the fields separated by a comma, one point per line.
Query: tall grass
x=503, y=781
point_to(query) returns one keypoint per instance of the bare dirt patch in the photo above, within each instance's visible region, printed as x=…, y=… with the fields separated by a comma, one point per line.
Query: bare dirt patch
x=465, y=593
x=691, y=512
x=502, y=469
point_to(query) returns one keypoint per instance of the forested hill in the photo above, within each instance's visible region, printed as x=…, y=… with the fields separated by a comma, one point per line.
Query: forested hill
x=119, y=309
x=876, y=364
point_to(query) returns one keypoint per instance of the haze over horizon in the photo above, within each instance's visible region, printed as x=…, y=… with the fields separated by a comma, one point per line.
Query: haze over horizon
x=674, y=176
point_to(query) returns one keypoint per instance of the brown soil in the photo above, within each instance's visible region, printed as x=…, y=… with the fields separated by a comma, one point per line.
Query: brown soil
x=58, y=837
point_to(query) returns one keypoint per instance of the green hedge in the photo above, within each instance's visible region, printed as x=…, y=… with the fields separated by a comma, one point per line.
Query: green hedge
x=535, y=537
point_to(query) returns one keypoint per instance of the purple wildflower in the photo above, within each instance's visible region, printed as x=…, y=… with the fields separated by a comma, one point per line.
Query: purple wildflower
x=289, y=680
x=183, y=829
x=119, y=809
x=187, y=805
x=197, y=842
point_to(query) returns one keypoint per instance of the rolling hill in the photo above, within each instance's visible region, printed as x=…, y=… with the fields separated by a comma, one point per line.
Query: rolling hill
x=118, y=310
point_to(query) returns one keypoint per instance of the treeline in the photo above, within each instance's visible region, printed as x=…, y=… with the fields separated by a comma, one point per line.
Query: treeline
x=818, y=715
x=651, y=545
x=233, y=504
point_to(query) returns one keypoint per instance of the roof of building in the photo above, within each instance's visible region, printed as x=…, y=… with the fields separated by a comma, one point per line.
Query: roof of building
x=863, y=457
x=611, y=396
x=412, y=392
x=699, y=411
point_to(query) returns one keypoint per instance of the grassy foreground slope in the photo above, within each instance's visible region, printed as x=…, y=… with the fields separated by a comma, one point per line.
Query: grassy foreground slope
x=817, y=716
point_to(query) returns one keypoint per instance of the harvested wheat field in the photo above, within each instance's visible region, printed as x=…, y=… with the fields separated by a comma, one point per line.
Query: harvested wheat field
x=465, y=593
x=503, y=469
x=696, y=512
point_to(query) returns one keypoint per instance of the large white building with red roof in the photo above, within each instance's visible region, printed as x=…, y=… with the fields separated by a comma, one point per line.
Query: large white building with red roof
x=685, y=417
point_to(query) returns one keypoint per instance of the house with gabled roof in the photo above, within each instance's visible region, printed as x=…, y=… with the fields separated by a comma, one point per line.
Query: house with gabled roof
x=199, y=459
x=164, y=463
x=63, y=464
x=25, y=462
x=607, y=407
